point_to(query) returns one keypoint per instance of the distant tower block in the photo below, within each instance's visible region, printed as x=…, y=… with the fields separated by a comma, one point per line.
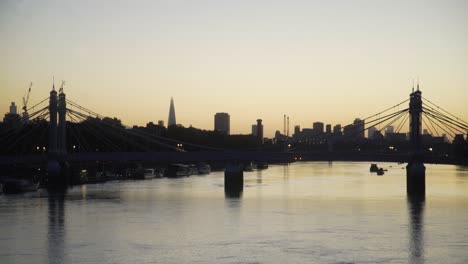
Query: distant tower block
x=172, y=118
x=259, y=131
x=222, y=123
x=13, y=109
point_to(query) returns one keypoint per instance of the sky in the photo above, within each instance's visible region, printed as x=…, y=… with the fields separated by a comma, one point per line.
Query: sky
x=329, y=61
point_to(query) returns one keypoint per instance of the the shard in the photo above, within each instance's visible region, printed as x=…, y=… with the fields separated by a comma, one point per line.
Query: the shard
x=172, y=119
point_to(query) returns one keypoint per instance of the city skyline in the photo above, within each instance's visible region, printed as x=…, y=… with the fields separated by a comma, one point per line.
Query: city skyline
x=314, y=61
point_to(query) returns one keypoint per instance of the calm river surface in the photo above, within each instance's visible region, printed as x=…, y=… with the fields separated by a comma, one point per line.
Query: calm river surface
x=311, y=212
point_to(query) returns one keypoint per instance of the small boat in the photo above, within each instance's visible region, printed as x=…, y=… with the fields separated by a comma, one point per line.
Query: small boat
x=380, y=171
x=178, y=170
x=374, y=168
x=11, y=185
x=248, y=166
x=193, y=169
x=149, y=174
x=203, y=168
x=262, y=165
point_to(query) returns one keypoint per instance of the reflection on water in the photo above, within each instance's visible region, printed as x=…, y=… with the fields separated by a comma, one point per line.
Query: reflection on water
x=310, y=212
x=416, y=205
x=233, y=192
x=56, y=226
x=259, y=177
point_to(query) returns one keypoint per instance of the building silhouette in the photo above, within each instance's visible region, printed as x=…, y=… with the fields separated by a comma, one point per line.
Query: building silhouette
x=389, y=130
x=172, y=117
x=259, y=131
x=318, y=128
x=161, y=123
x=254, y=130
x=337, y=129
x=222, y=123
x=371, y=132
x=359, y=128
x=297, y=130
x=13, y=109
x=328, y=129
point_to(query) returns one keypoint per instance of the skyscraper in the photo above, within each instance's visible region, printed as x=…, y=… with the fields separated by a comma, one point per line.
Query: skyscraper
x=371, y=132
x=318, y=128
x=254, y=130
x=337, y=129
x=222, y=123
x=172, y=119
x=259, y=131
x=13, y=109
x=359, y=128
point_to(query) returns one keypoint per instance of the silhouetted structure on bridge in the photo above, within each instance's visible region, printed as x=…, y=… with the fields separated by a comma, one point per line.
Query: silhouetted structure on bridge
x=89, y=137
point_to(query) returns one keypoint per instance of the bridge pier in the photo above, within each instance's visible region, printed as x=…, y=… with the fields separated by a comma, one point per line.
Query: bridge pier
x=415, y=170
x=233, y=179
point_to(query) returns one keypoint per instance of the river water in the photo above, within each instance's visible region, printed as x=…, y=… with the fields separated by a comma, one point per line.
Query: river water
x=310, y=212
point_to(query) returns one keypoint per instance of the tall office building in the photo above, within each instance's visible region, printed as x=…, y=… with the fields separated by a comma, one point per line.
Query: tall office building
x=254, y=130
x=222, y=123
x=359, y=127
x=389, y=130
x=318, y=128
x=371, y=132
x=328, y=129
x=259, y=131
x=297, y=130
x=337, y=129
x=13, y=109
x=172, y=118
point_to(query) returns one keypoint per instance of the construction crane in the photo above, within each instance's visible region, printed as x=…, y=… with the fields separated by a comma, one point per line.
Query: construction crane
x=61, y=87
x=25, y=101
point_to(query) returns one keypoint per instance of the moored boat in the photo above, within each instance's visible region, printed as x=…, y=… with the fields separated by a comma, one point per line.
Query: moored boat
x=380, y=171
x=11, y=185
x=373, y=168
x=178, y=170
x=262, y=165
x=149, y=174
x=203, y=168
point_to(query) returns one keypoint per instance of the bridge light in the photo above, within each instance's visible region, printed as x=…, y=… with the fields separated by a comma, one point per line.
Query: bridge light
x=44, y=148
x=74, y=146
x=37, y=148
x=289, y=145
x=430, y=149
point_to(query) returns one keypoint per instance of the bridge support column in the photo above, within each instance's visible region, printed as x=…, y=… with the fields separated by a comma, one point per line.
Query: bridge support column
x=233, y=180
x=62, y=123
x=415, y=170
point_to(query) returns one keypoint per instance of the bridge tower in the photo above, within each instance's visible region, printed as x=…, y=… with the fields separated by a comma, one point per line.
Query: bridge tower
x=62, y=123
x=57, y=166
x=53, y=166
x=415, y=170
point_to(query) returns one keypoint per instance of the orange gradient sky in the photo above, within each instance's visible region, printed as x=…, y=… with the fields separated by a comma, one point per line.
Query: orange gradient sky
x=328, y=61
